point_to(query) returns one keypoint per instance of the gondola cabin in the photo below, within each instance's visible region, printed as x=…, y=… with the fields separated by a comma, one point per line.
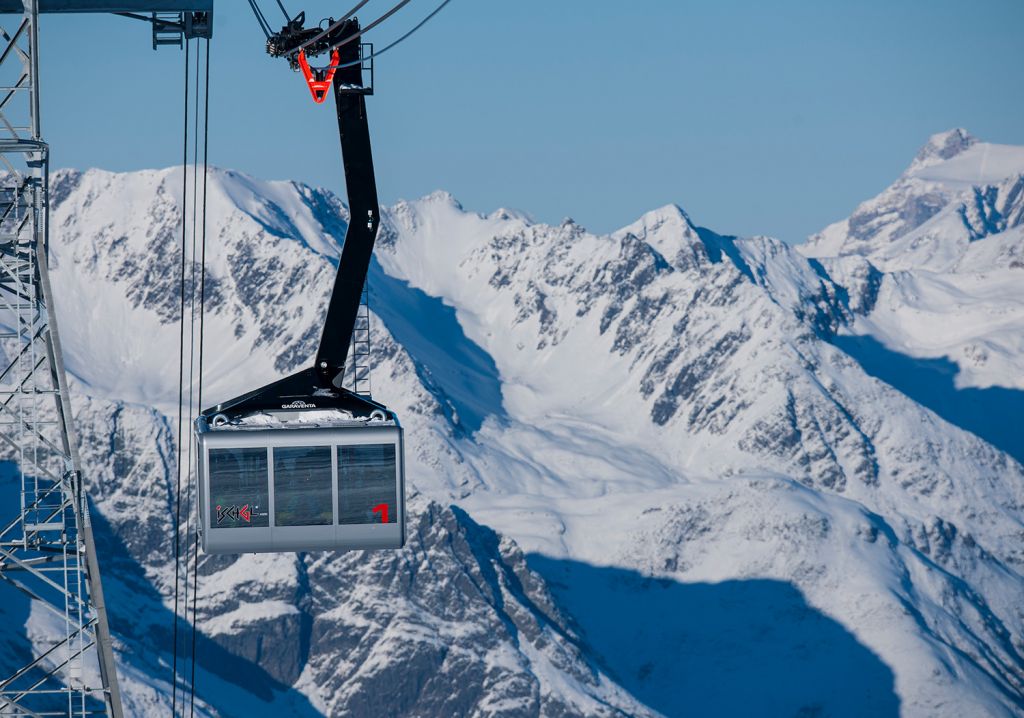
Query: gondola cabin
x=303, y=464
x=300, y=487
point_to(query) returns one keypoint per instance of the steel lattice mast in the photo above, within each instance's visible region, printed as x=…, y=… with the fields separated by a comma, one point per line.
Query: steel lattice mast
x=47, y=550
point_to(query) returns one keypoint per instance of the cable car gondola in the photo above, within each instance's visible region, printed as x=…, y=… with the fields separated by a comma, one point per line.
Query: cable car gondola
x=304, y=464
x=301, y=483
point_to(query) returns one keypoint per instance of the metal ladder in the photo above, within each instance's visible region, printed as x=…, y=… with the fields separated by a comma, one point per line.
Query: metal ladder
x=357, y=370
x=168, y=29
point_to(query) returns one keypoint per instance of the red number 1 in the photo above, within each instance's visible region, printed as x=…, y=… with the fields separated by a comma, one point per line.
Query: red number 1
x=381, y=509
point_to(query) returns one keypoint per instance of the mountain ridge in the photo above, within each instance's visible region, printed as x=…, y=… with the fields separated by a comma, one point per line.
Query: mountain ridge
x=663, y=416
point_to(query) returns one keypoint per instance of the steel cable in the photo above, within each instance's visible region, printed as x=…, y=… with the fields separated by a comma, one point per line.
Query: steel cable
x=404, y=37
x=264, y=25
x=359, y=34
x=356, y=35
x=337, y=23
x=353, y=11
x=181, y=378
x=387, y=47
x=189, y=491
x=199, y=399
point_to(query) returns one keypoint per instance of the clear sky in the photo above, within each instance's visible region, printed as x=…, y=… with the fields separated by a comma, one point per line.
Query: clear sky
x=757, y=117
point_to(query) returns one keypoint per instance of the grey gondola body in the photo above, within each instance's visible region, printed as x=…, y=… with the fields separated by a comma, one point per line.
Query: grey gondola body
x=301, y=489
x=303, y=463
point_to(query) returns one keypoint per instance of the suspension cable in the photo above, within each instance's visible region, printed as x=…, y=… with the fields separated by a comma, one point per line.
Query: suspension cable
x=404, y=37
x=181, y=378
x=199, y=400
x=287, y=17
x=337, y=23
x=420, y=24
x=189, y=493
x=387, y=47
x=264, y=26
x=356, y=35
x=355, y=8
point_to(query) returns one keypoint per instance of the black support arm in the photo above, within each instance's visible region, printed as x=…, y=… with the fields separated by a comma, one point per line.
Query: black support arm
x=364, y=215
x=319, y=387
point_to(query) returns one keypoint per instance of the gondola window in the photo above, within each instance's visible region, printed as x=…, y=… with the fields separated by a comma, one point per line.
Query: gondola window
x=367, y=484
x=239, y=488
x=302, y=486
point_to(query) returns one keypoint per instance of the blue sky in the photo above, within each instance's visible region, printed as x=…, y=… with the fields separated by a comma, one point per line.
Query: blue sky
x=756, y=117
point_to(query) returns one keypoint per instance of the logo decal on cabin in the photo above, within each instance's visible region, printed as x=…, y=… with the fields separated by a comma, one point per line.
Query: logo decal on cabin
x=234, y=513
x=298, y=404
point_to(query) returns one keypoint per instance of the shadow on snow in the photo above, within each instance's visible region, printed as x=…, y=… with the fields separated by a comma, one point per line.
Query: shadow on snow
x=735, y=648
x=991, y=414
x=461, y=375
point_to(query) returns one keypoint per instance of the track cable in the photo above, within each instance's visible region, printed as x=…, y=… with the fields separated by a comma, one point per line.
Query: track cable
x=264, y=25
x=181, y=389
x=354, y=36
x=187, y=284
x=199, y=399
x=190, y=493
x=401, y=39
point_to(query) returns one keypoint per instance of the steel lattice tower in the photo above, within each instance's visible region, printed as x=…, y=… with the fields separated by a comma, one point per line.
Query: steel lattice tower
x=47, y=550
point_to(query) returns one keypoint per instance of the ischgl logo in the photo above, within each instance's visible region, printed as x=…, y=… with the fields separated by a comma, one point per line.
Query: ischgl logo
x=234, y=513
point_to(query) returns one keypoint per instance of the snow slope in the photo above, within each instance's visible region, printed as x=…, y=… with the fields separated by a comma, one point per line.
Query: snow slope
x=934, y=267
x=702, y=499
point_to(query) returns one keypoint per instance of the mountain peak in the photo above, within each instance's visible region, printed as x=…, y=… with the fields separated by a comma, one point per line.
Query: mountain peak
x=439, y=196
x=667, y=230
x=943, y=146
x=669, y=212
x=670, y=216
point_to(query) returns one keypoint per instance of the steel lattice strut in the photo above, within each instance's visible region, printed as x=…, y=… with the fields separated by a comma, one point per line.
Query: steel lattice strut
x=46, y=545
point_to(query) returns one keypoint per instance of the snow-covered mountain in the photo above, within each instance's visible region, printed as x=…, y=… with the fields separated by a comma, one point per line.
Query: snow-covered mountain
x=663, y=471
x=933, y=266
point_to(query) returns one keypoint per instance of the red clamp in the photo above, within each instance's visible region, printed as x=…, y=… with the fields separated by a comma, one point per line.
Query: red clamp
x=319, y=78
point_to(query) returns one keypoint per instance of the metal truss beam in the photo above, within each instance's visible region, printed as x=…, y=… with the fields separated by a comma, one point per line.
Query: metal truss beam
x=111, y=6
